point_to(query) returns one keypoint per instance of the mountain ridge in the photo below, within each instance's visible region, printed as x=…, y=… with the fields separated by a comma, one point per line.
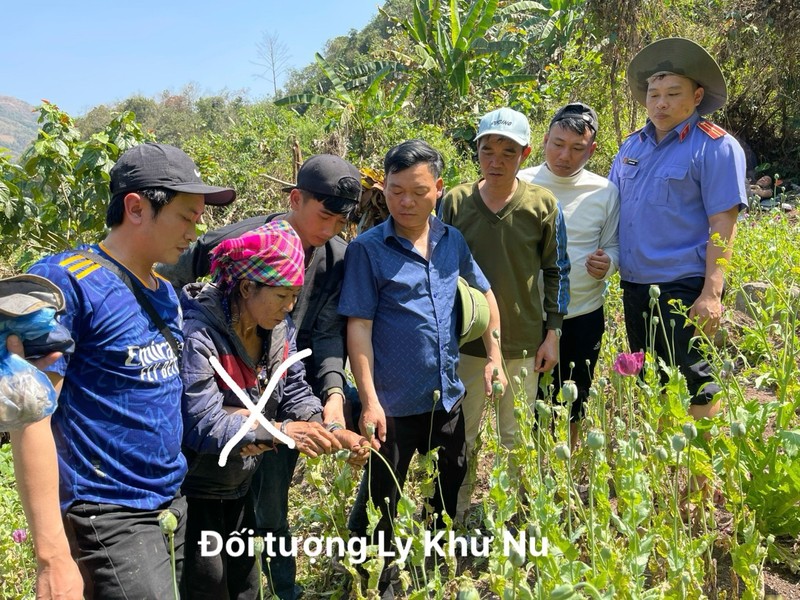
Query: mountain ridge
x=18, y=124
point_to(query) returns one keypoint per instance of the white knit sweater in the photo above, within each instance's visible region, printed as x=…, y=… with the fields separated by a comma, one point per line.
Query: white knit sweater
x=590, y=205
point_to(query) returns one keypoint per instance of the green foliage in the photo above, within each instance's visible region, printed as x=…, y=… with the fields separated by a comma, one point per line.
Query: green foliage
x=459, y=48
x=351, y=50
x=173, y=118
x=357, y=100
x=17, y=564
x=58, y=197
x=766, y=459
x=428, y=69
x=258, y=144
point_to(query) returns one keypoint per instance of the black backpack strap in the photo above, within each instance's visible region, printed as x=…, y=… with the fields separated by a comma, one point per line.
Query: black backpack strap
x=138, y=293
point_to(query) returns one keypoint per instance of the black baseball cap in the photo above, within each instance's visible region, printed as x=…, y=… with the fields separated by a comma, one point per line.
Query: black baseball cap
x=578, y=110
x=325, y=175
x=152, y=165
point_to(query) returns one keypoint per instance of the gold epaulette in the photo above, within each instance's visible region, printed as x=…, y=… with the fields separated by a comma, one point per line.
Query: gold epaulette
x=713, y=131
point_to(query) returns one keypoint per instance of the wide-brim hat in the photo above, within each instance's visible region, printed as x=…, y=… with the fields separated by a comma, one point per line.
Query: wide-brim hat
x=473, y=310
x=24, y=294
x=682, y=57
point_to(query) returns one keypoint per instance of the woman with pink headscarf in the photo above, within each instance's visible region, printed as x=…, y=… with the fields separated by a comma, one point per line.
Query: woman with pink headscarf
x=242, y=319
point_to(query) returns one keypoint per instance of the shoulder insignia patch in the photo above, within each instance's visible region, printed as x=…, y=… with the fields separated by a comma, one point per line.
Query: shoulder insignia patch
x=713, y=131
x=79, y=265
x=683, y=132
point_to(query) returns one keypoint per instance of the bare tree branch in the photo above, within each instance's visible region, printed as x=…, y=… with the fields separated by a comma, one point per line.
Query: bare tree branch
x=273, y=58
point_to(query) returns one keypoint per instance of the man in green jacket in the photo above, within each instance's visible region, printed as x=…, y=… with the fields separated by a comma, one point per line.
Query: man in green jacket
x=515, y=230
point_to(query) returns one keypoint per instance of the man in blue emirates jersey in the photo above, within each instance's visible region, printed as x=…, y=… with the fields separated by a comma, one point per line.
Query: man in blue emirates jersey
x=117, y=430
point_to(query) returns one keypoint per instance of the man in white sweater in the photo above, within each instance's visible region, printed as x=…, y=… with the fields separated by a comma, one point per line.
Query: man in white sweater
x=590, y=204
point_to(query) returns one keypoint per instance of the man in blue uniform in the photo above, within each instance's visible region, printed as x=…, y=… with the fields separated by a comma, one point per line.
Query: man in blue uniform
x=681, y=181
x=117, y=430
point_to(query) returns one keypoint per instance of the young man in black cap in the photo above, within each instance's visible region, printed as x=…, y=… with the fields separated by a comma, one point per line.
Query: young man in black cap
x=113, y=444
x=327, y=191
x=681, y=183
x=590, y=204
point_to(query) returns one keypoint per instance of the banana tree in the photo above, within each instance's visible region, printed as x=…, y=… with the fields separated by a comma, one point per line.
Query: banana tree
x=458, y=46
x=359, y=96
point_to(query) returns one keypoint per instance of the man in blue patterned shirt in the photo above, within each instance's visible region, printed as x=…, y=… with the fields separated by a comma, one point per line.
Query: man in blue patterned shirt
x=399, y=292
x=117, y=430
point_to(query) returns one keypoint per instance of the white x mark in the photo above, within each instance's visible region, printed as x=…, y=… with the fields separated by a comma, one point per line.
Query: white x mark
x=255, y=409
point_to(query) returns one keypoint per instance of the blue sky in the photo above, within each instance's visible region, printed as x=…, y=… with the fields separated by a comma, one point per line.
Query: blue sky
x=83, y=53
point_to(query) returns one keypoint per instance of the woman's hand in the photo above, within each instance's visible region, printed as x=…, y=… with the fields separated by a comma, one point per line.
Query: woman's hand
x=312, y=439
x=253, y=449
x=357, y=444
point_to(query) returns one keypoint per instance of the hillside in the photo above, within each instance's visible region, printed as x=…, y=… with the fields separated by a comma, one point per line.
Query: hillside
x=17, y=124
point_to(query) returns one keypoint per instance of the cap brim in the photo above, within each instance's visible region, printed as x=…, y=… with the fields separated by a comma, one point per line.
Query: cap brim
x=682, y=57
x=514, y=138
x=24, y=294
x=215, y=195
x=342, y=199
x=474, y=312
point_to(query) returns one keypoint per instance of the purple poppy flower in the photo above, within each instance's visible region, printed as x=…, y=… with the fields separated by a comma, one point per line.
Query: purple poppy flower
x=628, y=365
x=19, y=535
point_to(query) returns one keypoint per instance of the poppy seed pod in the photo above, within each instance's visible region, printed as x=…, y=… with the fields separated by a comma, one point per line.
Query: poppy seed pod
x=562, y=451
x=569, y=392
x=542, y=409
x=516, y=558
x=678, y=442
x=562, y=592
x=168, y=522
x=468, y=592
x=534, y=531
x=596, y=439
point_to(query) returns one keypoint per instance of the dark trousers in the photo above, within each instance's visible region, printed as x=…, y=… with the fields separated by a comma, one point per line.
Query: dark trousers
x=581, y=338
x=676, y=346
x=220, y=576
x=270, y=488
x=122, y=553
x=404, y=436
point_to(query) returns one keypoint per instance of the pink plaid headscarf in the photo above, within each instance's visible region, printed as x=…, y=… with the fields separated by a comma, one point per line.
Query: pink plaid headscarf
x=272, y=255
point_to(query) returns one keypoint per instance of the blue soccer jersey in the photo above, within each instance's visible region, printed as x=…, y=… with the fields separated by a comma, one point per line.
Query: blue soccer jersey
x=118, y=425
